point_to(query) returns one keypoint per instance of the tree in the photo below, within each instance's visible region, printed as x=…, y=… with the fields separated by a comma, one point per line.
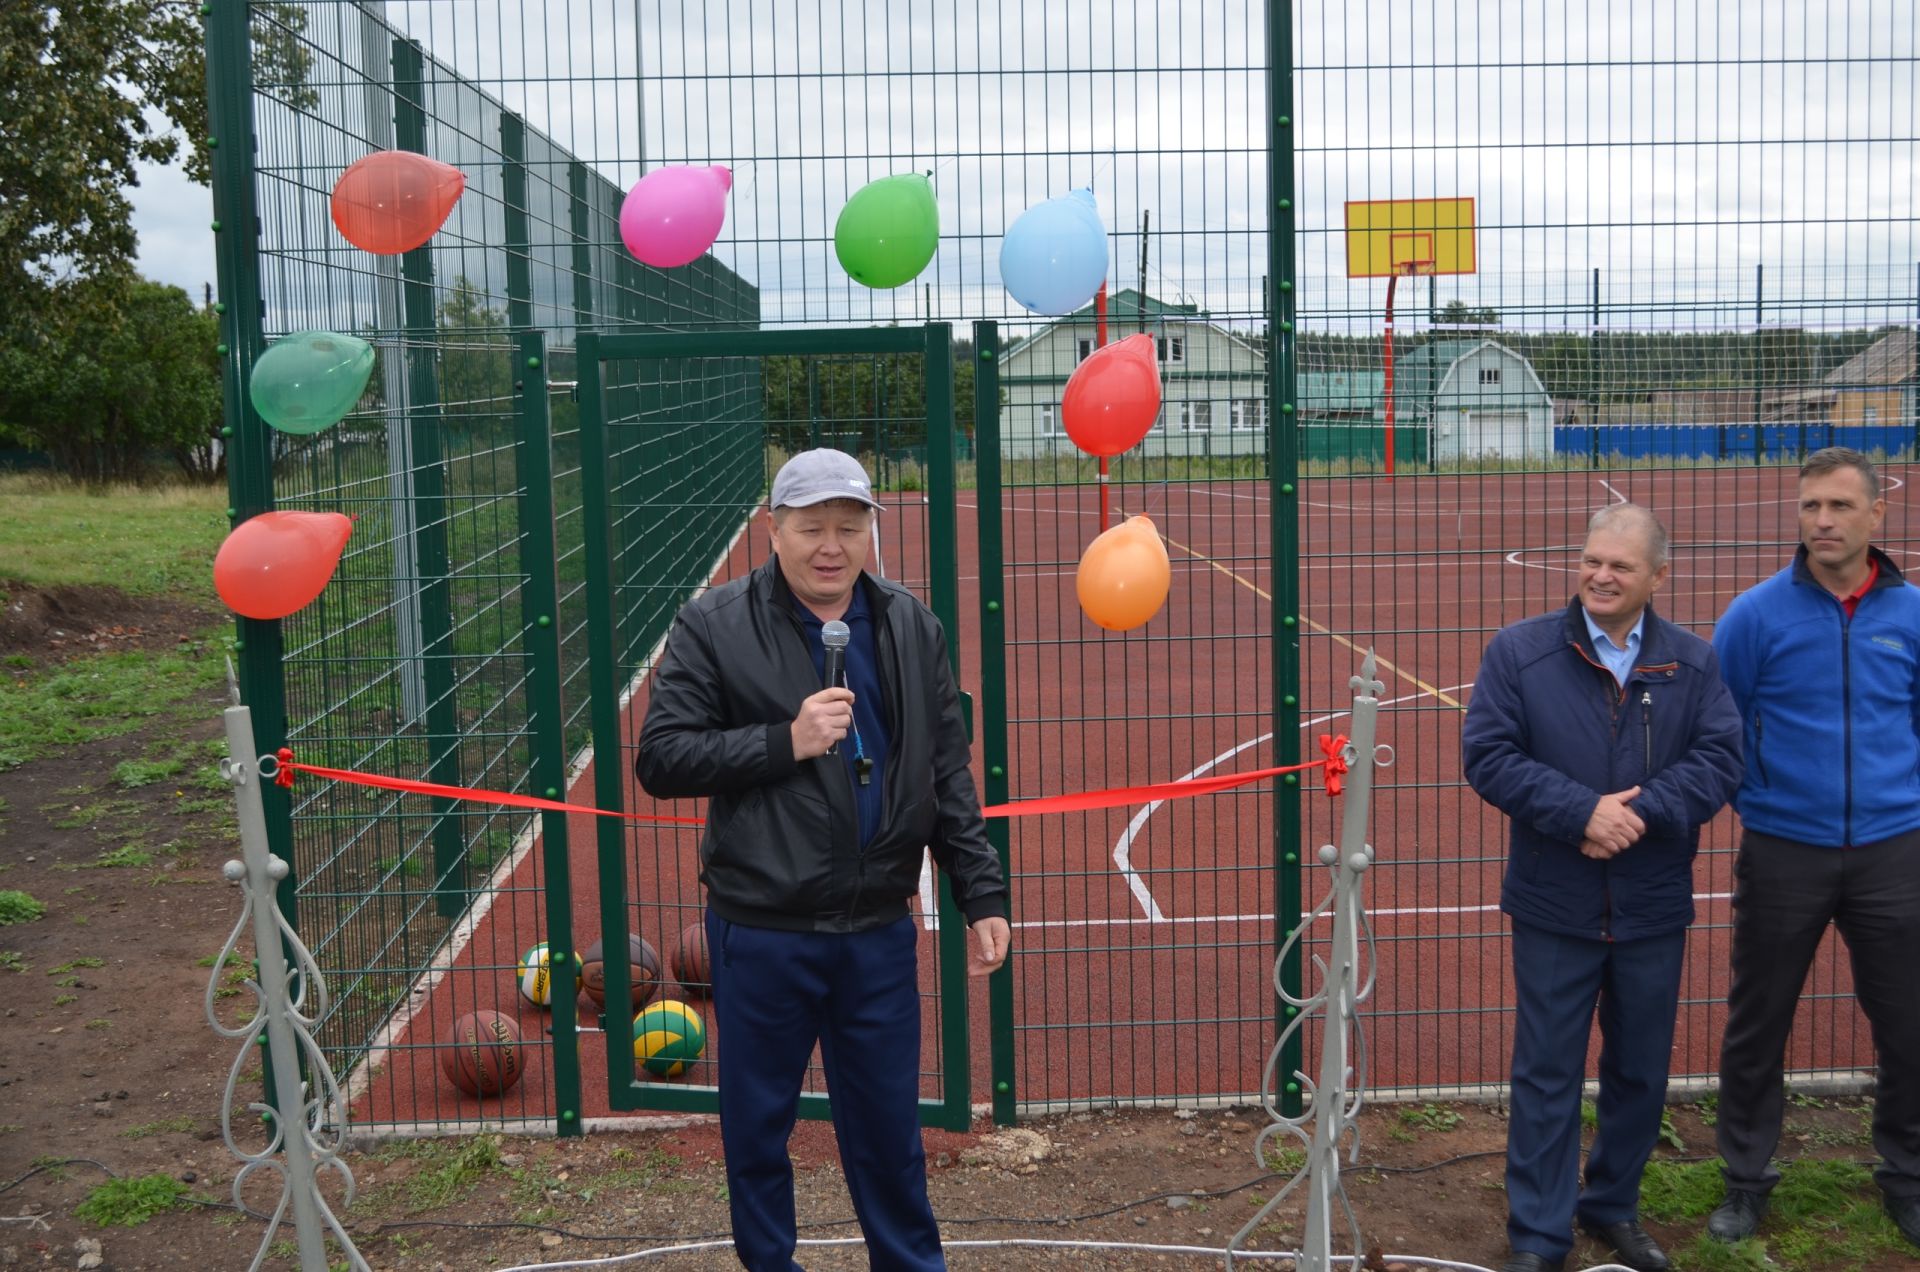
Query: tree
x=1461, y=314
x=117, y=371
x=78, y=82
x=476, y=371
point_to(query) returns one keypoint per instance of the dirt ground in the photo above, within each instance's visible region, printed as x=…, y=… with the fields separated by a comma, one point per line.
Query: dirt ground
x=107, y=1064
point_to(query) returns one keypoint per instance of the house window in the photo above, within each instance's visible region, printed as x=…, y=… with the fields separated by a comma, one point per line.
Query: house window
x=1249, y=415
x=1050, y=425
x=1870, y=415
x=1173, y=349
x=1196, y=417
x=1489, y=375
x=1083, y=349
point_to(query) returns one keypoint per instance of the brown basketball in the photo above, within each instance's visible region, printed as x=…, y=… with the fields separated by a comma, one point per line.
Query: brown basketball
x=643, y=973
x=690, y=964
x=484, y=1058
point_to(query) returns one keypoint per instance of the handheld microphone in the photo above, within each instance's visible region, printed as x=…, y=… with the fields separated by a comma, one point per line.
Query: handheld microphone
x=834, y=637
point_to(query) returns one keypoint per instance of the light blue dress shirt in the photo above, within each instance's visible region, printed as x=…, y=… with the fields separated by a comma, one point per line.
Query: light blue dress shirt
x=1618, y=659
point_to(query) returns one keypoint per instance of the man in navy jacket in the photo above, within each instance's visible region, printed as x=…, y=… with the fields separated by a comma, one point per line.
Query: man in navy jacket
x=1824, y=663
x=1607, y=736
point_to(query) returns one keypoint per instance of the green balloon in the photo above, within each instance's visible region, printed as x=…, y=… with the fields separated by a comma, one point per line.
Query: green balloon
x=888, y=231
x=308, y=381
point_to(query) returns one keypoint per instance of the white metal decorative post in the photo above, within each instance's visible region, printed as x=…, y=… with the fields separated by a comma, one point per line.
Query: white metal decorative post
x=309, y=1126
x=1333, y=1111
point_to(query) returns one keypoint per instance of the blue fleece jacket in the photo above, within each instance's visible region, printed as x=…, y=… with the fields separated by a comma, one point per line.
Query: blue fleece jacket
x=1549, y=731
x=1830, y=706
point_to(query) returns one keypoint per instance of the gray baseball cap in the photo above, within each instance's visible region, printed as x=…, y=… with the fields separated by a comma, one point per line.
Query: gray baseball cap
x=816, y=476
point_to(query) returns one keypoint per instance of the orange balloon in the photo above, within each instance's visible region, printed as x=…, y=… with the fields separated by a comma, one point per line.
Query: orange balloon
x=1124, y=576
x=392, y=201
x=1111, y=398
x=278, y=562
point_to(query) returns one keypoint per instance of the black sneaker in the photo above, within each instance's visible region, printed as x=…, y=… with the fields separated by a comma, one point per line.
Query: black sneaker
x=1905, y=1213
x=1739, y=1215
x=1528, y=1261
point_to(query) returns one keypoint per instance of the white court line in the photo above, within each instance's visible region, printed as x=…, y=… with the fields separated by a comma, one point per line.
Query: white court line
x=1123, y=848
x=1609, y=488
x=1411, y=911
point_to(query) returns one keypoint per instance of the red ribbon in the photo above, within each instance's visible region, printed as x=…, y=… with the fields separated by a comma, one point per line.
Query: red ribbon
x=288, y=767
x=1333, y=746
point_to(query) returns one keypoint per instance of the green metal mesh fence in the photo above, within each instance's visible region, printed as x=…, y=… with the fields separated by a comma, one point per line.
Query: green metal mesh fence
x=1694, y=259
x=414, y=663
x=1695, y=264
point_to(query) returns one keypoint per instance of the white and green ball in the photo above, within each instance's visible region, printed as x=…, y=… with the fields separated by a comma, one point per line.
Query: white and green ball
x=536, y=976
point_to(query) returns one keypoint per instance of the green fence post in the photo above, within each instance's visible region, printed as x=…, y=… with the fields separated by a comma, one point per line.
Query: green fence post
x=428, y=479
x=993, y=688
x=248, y=440
x=1284, y=467
x=513, y=195
x=603, y=684
x=943, y=590
x=546, y=722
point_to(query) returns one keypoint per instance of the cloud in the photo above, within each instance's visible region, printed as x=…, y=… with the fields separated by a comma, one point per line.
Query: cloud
x=1677, y=147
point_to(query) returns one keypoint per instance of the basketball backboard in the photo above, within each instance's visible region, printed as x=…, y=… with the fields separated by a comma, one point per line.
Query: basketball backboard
x=1387, y=237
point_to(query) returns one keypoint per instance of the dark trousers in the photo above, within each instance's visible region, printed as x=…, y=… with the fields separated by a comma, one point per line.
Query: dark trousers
x=1635, y=986
x=774, y=995
x=1784, y=896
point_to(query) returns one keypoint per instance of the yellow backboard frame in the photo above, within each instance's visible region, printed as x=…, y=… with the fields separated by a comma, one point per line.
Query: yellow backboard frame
x=1386, y=237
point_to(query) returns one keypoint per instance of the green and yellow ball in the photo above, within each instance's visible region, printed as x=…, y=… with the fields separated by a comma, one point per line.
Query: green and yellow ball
x=536, y=976
x=667, y=1037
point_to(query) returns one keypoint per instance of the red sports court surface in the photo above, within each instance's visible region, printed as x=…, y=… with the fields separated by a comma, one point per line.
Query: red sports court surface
x=1144, y=936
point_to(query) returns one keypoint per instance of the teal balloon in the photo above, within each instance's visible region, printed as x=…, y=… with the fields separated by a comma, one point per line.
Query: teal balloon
x=308, y=381
x=888, y=231
x=1054, y=257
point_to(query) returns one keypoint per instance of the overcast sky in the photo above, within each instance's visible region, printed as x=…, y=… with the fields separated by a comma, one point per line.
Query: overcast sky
x=1675, y=146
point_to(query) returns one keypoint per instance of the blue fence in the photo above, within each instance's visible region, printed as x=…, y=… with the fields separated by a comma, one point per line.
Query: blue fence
x=1730, y=441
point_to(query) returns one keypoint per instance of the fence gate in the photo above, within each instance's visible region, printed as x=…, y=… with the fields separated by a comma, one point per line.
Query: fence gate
x=741, y=401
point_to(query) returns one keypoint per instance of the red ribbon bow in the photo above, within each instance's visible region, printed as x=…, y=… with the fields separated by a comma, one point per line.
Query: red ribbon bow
x=283, y=774
x=1334, y=747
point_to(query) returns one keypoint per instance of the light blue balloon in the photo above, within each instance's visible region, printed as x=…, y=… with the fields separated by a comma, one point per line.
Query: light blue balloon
x=1054, y=257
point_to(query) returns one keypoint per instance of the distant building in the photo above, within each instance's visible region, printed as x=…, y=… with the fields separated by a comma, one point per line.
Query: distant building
x=1213, y=381
x=1466, y=400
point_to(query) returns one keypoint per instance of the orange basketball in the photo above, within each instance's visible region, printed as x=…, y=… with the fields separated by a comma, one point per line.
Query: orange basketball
x=690, y=963
x=484, y=1058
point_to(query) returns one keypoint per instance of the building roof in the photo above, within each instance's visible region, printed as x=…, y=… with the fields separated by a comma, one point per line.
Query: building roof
x=1892, y=359
x=1417, y=377
x=1123, y=315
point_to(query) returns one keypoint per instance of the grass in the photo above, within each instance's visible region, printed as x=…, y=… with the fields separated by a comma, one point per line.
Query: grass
x=450, y=1169
x=13, y=961
x=128, y=1203
x=143, y=540
x=76, y=963
x=107, y=695
x=182, y=1125
x=129, y=774
x=1430, y=1117
x=19, y=907
x=1824, y=1216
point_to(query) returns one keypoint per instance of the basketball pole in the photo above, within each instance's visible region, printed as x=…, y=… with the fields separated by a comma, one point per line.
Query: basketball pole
x=1393, y=281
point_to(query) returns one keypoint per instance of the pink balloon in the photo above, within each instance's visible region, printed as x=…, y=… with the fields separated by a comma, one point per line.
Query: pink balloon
x=278, y=562
x=672, y=215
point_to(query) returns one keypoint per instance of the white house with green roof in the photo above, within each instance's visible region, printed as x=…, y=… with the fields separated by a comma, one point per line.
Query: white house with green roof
x=1212, y=381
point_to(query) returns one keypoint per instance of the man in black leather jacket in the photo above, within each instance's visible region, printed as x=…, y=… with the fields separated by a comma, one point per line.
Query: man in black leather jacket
x=821, y=800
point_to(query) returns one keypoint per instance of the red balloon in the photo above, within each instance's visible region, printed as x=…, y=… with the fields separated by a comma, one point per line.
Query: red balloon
x=392, y=201
x=1112, y=398
x=278, y=562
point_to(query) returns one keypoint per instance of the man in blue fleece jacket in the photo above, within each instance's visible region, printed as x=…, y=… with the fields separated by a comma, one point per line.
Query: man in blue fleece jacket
x=1606, y=735
x=1824, y=662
